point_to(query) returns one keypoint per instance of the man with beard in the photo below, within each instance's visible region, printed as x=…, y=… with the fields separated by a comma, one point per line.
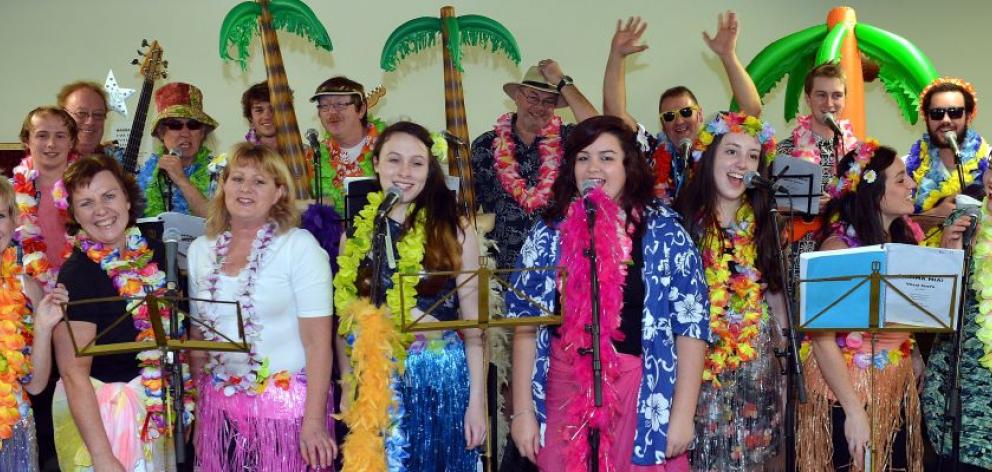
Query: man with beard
x=257, y=109
x=86, y=102
x=679, y=111
x=514, y=166
x=947, y=104
x=349, y=136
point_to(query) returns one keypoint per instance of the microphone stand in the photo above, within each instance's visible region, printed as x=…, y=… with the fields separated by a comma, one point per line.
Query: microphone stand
x=377, y=292
x=318, y=190
x=594, y=329
x=952, y=404
x=166, y=184
x=795, y=387
x=174, y=366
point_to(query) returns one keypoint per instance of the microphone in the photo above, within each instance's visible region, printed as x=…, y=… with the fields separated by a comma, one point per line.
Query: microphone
x=312, y=139
x=952, y=140
x=586, y=188
x=389, y=201
x=171, y=239
x=451, y=137
x=752, y=179
x=970, y=207
x=685, y=149
x=830, y=121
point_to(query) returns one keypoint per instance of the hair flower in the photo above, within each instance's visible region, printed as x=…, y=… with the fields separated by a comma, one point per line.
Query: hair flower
x=440, y=147
x=870, y=177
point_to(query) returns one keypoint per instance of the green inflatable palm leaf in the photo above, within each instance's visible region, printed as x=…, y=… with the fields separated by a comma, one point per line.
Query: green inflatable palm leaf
x=787, y=56
x=903, y=68
x=423, y=33
x=241, y=25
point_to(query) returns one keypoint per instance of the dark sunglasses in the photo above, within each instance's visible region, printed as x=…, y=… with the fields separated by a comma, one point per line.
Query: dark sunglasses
x=176, y=125
x=937, y=114
x=669, y=116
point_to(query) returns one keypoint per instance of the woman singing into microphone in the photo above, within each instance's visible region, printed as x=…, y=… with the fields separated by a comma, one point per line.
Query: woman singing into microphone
x=653, y=316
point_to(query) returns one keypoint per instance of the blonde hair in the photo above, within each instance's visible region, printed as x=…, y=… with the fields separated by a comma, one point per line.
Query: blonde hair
x=8, y=199
x=283, y=212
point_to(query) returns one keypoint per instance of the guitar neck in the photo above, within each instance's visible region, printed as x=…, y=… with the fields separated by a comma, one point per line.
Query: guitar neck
x=137, y=128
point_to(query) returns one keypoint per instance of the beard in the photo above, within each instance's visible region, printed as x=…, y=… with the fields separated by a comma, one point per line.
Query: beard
x=937, y=138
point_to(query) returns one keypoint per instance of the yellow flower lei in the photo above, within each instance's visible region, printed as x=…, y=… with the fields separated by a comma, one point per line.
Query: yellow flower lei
x=411, y=250
x=983, y=284
x=738, y=293
x=15, y=343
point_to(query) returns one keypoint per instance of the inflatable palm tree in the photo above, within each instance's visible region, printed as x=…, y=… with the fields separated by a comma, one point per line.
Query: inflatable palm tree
x=265, y=17
x=466, y=30
x=903, y=68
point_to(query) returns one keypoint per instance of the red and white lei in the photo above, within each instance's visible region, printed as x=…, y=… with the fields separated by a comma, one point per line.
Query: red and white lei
x=804, y=140
x=33, y=243
x=508, y=169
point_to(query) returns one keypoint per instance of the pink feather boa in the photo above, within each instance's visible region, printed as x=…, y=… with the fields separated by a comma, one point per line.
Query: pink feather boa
x=613, y=246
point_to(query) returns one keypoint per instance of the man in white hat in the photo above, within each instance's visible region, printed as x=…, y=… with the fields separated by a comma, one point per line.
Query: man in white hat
x=519, y=153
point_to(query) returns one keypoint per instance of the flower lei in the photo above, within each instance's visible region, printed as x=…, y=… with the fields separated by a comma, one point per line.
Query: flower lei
x=135, y=276
x=983, y=285
x=330, y=156
x=33, y=243
x=15, y=343
x=804, y=139
x=258, y=369
x=378, y=347
x=933, y=185
x=508, y=169
x=613, y=249
x=662, y=158
x=202, y=175
x=850, y=347
x=734, y=122
x=855, y=173
x=737, y=305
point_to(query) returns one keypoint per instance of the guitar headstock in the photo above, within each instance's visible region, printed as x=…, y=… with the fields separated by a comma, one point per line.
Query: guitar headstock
x=152, y=66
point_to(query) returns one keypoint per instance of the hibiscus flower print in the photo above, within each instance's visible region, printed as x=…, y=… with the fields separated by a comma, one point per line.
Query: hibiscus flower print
x=656, y=409
x=690, y=308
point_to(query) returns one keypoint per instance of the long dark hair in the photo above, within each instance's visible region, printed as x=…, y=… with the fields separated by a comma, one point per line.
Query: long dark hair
x=697, y=203
x=637, y=190
x=862, y=208
x=443, y=251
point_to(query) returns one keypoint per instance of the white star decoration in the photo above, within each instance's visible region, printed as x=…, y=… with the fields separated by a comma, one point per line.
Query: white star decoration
x=116, y=95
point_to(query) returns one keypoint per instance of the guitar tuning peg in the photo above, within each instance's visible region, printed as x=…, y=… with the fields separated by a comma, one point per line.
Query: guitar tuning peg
x=165, y=75
x=144, y=43
x=165, y=63
x=141, y=53
x=134, y=61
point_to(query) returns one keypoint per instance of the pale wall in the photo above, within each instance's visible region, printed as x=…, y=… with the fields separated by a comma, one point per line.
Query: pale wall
x=46, y=43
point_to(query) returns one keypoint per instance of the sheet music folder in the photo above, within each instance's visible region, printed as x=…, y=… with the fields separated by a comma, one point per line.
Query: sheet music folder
x=890, y=286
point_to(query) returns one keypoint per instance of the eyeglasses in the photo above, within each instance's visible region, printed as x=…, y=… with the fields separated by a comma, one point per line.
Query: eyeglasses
x=533, y=99
x=937, y=114
x=177, y=125
x=336, y=106
x=669, y=116
x=82, y=116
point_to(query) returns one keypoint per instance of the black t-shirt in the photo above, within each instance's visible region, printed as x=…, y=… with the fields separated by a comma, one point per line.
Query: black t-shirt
x=632, y=313
x=84, y=279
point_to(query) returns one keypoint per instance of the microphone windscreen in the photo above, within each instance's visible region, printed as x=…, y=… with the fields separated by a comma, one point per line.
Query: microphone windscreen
x=587, y=186
x=171, y=235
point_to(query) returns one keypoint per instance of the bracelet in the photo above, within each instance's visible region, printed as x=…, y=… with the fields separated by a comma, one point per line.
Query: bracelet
x=520, y=413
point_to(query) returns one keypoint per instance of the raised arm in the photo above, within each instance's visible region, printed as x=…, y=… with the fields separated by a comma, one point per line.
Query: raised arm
x=724, y=44
x=626, y=41
x=581, y=107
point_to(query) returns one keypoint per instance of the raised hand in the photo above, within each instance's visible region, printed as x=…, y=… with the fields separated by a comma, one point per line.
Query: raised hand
x=627, y=38
x=49, y=311
x=725, y=41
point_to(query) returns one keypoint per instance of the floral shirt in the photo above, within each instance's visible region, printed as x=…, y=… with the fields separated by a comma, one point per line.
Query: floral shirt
x=199, y=172
x=676, y=303
x=670, y=173
x=512, y=221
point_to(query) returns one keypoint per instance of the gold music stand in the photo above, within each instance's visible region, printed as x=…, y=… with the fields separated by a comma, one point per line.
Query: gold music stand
x=485, y=320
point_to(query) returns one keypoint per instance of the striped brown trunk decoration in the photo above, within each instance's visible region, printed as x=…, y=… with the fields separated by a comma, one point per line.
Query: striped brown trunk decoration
x=454, y=115
x=287, y=131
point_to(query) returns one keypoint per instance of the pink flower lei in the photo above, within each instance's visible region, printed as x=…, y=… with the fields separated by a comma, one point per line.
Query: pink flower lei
x=254, y=381
x=135, y=276
x=508, y=169
x=36, y=262
x=613, y=250
x=804, y=140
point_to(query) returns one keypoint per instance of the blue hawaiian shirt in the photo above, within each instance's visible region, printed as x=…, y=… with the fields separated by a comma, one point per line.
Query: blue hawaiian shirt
x=149, y=182
x=676, y=303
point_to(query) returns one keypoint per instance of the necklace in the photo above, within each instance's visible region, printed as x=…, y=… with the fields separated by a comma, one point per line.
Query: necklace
x=15, y=343
x=804, y=143
x=334, y=168
x=508, y=168
x=936, y=183
x=983, y=285
x=33, y=242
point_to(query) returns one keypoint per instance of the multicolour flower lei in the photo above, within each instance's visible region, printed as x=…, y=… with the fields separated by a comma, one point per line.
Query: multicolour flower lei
x=258, y=367
x=932, y=185
x=804, y=140
x=850, y=345
x=734, y=122
x=135, y=276
x=332, y=184
x=848, y=182
x=508, y=168
x=33, y=242
x=15, y=343
x=737, y=306
x=983, y=285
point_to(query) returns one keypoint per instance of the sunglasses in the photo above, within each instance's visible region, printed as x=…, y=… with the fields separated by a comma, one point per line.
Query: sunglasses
x=937, y=114
x=669, y=116
x=177, y=125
